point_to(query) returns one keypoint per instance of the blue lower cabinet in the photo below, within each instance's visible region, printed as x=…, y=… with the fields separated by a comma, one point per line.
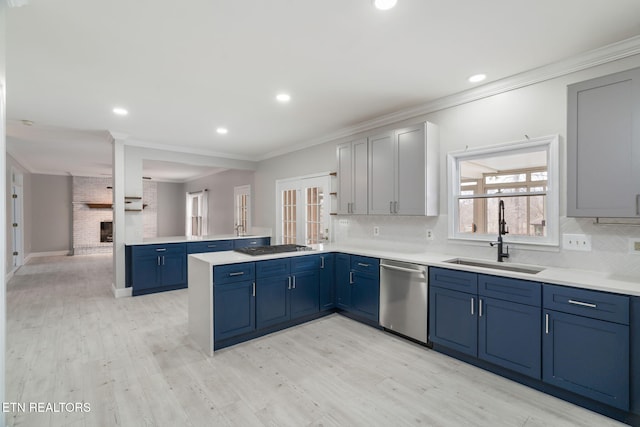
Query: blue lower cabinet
x=304, y=295
x=234, y=309
x=452, y=320
x=272, y=306
x=327, y=282
x=244, y=243
x=365, y=295
x=587, y=356
x=157, y=268
x=343, y=281
x=509, y=335
x=209, y=246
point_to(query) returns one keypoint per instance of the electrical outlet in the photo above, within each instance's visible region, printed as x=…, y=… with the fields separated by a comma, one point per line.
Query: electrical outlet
x=429, y=234
x=576, y=242
x=634, y=246
x=343, y=222
x=376, y=230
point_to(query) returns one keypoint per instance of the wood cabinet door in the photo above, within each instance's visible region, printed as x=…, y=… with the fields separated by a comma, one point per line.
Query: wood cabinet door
x=381, y=174
x=509, y=335
x=234, y=309
x=305, y=293
x=272, y=300
x=452, y=320
x=410, y=171
x=587, y=356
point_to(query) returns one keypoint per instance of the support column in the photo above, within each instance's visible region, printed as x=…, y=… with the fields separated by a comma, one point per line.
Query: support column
x=119, y=225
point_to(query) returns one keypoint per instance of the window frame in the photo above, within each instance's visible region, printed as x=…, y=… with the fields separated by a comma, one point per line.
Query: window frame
x=548, y=143
x=238, y=191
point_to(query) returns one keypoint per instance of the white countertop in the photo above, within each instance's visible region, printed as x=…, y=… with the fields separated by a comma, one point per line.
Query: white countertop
x=554, y=275
x=183, y=239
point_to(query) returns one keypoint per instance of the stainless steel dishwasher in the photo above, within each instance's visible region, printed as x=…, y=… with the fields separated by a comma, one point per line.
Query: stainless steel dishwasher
x=403, y=298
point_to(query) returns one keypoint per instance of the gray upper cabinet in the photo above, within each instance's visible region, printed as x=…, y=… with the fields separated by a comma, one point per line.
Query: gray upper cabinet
x=403, y=171
x=603, y=147
x=352, y=177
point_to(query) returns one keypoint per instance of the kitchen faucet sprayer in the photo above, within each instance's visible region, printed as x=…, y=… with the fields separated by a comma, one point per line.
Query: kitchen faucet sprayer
x=502, y=230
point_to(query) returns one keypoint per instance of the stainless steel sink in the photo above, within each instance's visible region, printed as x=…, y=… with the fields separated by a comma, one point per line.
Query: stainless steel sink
x=497, y=266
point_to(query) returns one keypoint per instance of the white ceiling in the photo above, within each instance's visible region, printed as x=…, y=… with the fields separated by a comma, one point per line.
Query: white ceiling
x=184, y=68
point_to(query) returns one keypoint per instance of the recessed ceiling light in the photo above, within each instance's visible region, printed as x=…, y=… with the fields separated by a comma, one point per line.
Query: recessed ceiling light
x=283, y=97
x=222, y=131
x=120, y=111
x=384, y=4
x=477, y=78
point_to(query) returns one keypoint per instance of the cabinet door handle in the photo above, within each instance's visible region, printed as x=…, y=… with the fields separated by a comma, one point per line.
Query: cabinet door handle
x=390, y=207
x=480, y=307
x=294, y=282
x=253, y=294
x=351, y=277
x=583, y=304
x=472, y=304
x=546, y=323
x=158, y=259
x=321, y=262
x=162, y=259
x=236, y=273
x=161, y=250
x=395, y=207
x=350, y=207
x=637, y=204
x=289, y=286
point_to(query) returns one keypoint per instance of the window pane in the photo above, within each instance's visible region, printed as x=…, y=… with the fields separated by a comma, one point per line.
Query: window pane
x=466, y=222
x=501, y=179
x=539, y=176
x=525, y=216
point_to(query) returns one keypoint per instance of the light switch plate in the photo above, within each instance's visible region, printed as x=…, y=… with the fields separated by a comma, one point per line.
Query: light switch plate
x=576, y=242
x=634, y=246
x=429, y=234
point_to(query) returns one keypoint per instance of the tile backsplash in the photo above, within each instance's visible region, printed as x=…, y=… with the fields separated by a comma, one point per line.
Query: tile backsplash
x=609, y=254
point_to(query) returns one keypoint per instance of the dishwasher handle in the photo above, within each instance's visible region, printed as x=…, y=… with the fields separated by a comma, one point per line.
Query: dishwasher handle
x=407, y=270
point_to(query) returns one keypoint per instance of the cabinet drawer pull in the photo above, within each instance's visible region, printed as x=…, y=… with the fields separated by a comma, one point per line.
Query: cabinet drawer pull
x=546, y=323
x=351, y=277
x=583, y=304
x=237, y=273
x=161, y=250
x=212, y=246
x=472, y=304
x=361, y=264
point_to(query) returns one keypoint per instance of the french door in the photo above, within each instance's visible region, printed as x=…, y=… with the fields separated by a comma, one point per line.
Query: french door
x=302, y=211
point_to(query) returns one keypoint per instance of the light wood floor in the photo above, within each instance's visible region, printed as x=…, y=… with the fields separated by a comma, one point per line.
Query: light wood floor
x=69, y=340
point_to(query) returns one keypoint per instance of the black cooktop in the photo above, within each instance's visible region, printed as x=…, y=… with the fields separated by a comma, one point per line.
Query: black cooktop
x=275, y=249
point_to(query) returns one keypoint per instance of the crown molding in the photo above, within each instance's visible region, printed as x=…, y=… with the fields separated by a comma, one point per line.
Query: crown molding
x=613, y=52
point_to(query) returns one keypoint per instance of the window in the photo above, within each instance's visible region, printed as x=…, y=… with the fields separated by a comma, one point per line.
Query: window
x=524, y=175
x=242, y=208
x=196, y=215
x=302, y=212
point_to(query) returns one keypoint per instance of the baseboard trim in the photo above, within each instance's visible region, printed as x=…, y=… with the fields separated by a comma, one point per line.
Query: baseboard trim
x=9, y=275
x=43, y=254
x=121, y=292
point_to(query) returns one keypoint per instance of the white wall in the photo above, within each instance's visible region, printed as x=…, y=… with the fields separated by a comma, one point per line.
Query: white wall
x=51, y=213
x=171, y=209
x=220, y=195
x=3, y=183
x=535, y=110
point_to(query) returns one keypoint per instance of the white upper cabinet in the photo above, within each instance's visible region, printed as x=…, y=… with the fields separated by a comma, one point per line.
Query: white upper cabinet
x=352, y=177
x=403, y=171
x=603, y=147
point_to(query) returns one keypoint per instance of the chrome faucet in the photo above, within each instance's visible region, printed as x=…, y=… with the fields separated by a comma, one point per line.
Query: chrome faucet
x=237, y=228
x=502, y=230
